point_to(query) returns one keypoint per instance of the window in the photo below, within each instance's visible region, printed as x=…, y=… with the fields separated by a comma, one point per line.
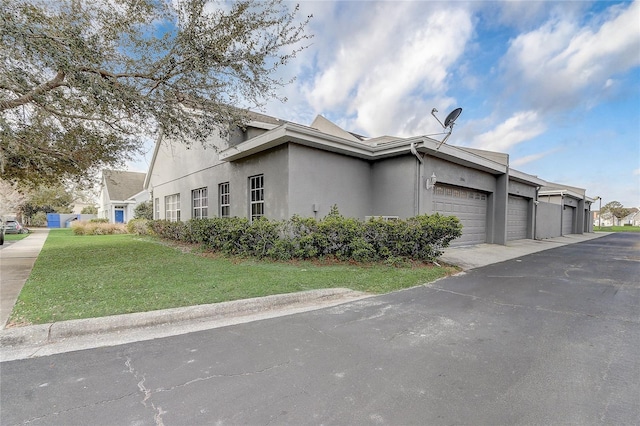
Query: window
x=156, y=208
x=172, y=207
x=200, y=203
x=225, y=207
x=256, y=197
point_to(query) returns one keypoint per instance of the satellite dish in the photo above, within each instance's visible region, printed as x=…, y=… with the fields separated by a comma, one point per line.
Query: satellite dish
x=452, y=117
x=448, y=122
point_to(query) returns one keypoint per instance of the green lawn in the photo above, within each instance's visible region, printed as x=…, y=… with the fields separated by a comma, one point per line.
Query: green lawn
x=617, y=228
x=93, y=276
x=14, y=237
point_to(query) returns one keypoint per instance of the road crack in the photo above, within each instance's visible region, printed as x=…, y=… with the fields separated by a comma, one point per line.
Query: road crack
x=219, y=376
x=158, y=411
x=538, y=308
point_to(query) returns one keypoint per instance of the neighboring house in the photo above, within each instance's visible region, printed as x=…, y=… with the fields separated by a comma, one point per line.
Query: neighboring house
x=276, y=169
x=120, y=193
x=632, y=219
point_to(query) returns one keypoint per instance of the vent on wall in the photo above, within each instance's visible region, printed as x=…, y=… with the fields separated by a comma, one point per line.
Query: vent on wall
x=381, y=217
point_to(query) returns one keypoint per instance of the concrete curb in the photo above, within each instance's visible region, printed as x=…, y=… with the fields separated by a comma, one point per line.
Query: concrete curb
x=57, y=331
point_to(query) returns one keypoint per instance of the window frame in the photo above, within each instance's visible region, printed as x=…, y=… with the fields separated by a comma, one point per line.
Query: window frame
x=172, y=207
x=256, y=197
x=224, y=199
x=200, y=196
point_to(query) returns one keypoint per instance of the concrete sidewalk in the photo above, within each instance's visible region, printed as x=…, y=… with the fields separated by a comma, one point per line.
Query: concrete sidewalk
x=16, y=262
x=471, y=257
x=65, y=336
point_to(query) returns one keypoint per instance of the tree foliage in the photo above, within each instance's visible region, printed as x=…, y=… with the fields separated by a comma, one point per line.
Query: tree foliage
x=89, y=210
x=11, y=198
x=144, y=210
x=48, y=199
x=616, y=209
x=82, y=83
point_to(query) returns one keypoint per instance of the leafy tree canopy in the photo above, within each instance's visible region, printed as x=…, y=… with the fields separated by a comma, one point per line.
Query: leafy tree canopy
x=89, y=210
x=48, y=199
x=83, y=82
x=616, y=209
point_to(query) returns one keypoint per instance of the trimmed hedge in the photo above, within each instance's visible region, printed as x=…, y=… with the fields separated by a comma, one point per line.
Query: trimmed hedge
x=417, y=238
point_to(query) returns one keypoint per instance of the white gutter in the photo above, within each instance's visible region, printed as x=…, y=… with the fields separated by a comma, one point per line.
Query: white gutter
x=563, y=192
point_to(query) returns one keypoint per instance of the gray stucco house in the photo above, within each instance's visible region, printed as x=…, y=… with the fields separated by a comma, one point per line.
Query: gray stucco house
x=276, y=169
x=120, y=193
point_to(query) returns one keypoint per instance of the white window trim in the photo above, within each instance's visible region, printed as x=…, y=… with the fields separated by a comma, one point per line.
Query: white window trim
x=172, y=207
x=200, y=197
x=256, y=197
x=224, y=199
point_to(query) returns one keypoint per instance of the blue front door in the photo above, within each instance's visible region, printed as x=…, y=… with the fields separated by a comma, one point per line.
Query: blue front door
x=119, y=216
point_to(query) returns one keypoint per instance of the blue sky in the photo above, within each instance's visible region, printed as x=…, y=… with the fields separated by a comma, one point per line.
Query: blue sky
x=556, y=85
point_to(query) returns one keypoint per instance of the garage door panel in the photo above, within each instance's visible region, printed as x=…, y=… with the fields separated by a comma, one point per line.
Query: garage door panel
x=469, y=206
x=517, y=218
x=567, y=220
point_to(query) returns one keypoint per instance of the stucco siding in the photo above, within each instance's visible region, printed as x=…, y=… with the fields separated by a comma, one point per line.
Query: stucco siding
x=455, y=174
x=522, y=189
x=272, y=164
x=174, y=160
x=394, y=187
x=323, y=179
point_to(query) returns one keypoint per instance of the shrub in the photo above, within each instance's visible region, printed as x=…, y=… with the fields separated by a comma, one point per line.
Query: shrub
x=99, y=220
x=394, y=242
x=138, y=227
x=144, y=210
x=39, y=219
x=93, y=228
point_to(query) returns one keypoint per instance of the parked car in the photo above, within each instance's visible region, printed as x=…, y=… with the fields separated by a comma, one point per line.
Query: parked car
x=1, y=232
x=14, y=227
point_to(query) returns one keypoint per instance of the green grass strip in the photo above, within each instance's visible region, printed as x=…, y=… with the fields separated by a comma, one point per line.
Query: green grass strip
x=617, y=228
x=15, y=237
x=93, y=276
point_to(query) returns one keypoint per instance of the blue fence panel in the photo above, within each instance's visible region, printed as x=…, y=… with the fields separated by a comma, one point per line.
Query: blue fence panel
x=53, y=220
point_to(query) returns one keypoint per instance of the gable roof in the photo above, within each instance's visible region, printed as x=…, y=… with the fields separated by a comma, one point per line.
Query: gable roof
x=122, y=185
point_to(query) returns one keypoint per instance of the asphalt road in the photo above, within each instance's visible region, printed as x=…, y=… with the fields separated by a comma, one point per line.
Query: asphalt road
x=549, y=338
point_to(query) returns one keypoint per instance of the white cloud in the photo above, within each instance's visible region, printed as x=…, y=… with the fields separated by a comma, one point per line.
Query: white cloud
x=521, y=161
x=398, y=55
x=636, y=172
x=520, y=127
x=561, y=63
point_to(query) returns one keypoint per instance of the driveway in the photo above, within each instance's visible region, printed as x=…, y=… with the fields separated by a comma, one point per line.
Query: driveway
x=548, y=338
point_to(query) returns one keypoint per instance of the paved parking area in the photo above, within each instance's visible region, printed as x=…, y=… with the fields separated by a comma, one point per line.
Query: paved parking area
x=546, y=338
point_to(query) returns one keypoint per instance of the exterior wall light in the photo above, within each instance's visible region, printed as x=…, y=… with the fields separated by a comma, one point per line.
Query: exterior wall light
x=431, y=182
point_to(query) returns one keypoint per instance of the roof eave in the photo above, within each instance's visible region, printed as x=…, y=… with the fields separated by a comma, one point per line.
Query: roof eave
x=459, y=156
x=303, y=135
x=526, y=178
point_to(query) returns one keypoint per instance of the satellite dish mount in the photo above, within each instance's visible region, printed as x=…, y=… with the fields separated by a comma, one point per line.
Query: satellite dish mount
x=448, y=123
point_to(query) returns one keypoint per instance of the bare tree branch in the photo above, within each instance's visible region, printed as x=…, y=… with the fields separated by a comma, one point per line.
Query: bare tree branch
x=57, y=81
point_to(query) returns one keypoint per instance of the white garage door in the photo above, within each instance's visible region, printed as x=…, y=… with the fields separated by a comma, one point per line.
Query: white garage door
x=517, y=218
x=567, y=220
x=469, y=206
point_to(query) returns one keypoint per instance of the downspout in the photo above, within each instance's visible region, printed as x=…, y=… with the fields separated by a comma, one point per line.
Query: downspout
x=416, y=198
x=561, y=213
x=535, y=214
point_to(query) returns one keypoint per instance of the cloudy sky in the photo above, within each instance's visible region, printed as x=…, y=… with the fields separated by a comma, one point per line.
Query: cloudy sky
x=555, y=84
